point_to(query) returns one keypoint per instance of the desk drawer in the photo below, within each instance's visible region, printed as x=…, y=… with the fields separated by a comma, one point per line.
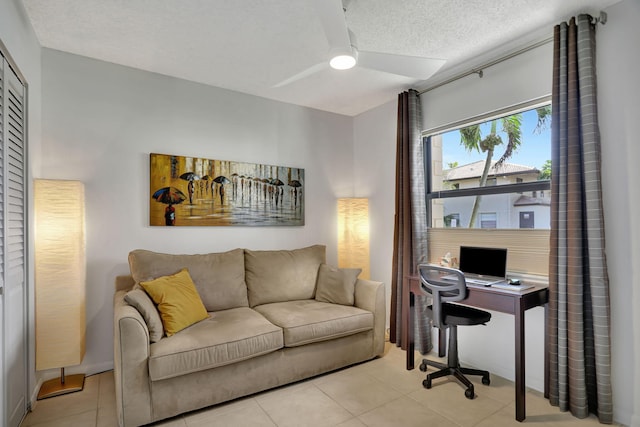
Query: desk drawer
x=492, y=301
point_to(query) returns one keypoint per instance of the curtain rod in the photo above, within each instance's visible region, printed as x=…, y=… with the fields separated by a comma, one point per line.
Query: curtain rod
x=602, y=19
x=479, y=70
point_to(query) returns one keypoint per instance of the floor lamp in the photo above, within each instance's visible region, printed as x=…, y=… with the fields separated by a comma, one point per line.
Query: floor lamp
x=353, y=234
x=60, y=276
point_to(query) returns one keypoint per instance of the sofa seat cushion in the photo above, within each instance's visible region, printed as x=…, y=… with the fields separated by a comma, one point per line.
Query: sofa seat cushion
x=308, y=321
x=226, y=337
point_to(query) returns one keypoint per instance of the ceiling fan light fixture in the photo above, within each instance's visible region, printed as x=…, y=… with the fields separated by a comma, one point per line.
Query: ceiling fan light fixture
x=343, y=58
x=343, y=62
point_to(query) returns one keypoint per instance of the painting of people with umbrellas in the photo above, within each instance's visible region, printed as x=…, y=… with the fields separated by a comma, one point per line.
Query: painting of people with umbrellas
x=191, y=191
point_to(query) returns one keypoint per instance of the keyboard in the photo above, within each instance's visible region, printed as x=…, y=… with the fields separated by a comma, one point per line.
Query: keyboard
x=474, y=281
x=481, y=282
x=508, y=287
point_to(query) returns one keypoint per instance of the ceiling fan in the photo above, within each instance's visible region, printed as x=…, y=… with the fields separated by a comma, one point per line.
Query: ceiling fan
x=343, y=53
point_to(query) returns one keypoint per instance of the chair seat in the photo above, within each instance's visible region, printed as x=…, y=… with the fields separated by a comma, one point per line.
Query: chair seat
x=456, y=314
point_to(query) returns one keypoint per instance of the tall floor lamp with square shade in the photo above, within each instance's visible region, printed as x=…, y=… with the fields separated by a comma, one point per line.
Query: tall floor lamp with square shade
x=353, y=234
x=60, y=276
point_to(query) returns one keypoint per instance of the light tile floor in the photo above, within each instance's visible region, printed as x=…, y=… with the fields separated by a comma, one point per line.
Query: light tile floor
x=376, y=393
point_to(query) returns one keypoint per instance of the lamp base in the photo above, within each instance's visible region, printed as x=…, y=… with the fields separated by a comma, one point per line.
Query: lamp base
x=62, y=385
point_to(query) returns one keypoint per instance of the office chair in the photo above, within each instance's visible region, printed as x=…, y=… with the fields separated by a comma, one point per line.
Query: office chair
x=449, y=316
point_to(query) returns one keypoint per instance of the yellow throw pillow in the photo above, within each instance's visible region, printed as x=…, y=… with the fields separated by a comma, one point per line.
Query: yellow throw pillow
x=177, y=299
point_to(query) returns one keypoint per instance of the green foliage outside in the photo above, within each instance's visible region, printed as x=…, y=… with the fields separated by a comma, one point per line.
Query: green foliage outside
x=472, y=139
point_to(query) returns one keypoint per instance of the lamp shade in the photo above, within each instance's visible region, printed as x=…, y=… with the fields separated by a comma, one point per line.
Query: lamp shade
x=353, y=234
x=60, y=273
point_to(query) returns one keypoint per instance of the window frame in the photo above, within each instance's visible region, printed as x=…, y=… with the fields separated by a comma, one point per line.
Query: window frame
x=523, y=187
x=528, y=247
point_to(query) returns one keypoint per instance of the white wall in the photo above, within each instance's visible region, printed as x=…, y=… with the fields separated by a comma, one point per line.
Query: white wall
x=23, y=47
x=523, y=78
x=619, y=110
x=374, y=168
x=101, y=121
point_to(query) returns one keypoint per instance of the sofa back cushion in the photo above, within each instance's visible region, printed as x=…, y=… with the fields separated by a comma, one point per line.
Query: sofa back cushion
x=337, y=285
x=218, y=277
x=277, y=276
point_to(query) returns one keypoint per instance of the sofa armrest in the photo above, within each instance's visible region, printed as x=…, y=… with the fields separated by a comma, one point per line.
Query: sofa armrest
x=124, y=283
x=370, y=296
x=131, y=361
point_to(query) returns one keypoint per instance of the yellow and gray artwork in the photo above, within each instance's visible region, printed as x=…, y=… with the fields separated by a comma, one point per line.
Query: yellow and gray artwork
x=190, y=191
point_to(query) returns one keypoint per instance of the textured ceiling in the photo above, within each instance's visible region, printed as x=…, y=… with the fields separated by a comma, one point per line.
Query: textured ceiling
x=251, y=45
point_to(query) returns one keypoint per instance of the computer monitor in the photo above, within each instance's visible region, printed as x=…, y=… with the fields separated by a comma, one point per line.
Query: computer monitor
x=483, y=261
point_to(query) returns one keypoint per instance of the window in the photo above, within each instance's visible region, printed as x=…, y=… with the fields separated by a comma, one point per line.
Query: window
x=527, y=219
x=488, y=220
x=452, y=220
x=496, y=180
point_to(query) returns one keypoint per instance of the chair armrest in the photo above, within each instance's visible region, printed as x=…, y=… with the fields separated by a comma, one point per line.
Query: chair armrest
x=370, y=296
x=131, y=361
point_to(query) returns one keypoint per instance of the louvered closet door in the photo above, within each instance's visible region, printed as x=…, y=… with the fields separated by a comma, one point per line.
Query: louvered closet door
x=2, y=321
x=13, y=245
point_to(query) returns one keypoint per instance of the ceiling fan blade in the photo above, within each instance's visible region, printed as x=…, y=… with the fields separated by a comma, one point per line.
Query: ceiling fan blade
x=333, y=22
x=411, y=66
x=303, y=74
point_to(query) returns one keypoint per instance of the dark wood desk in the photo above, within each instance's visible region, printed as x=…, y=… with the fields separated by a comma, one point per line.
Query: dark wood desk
x=515, y=303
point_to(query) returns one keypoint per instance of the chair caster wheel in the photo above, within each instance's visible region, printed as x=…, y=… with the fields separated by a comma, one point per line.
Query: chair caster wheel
x=426, y=383
x=486, y=381
x=469, y=394
x=423, y=366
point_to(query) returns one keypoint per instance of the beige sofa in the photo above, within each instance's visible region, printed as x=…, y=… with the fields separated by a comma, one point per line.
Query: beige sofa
x=269, y=324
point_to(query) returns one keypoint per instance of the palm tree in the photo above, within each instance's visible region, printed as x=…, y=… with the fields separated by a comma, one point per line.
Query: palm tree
x=544, y=118
x=545, y=172
x=471, y=139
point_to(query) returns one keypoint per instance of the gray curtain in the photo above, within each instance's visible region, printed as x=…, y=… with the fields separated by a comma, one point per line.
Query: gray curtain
x=579, y=319
x=410, y=228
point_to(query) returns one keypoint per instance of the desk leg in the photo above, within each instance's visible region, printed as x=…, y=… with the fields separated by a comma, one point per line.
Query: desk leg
x=520, y=361
x=409, y=330
x=546, y=352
